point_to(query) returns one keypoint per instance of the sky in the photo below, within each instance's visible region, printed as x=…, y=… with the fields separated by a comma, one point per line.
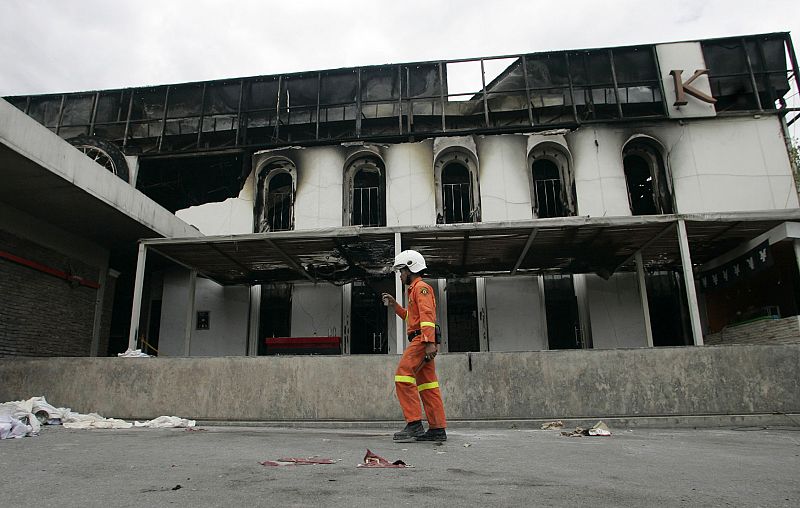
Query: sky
x=62, y=46
x=51, y=46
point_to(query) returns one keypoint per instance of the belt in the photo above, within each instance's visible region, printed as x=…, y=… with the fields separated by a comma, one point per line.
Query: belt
x=413, y=334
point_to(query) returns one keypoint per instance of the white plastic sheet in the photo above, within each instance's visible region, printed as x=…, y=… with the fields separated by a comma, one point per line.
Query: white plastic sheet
x=22, y=418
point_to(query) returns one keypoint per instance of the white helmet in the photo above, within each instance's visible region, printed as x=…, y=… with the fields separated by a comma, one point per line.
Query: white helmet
x=410, y=259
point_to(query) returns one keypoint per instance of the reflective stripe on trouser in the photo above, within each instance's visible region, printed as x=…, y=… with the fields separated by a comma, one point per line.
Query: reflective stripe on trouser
x=423, y=385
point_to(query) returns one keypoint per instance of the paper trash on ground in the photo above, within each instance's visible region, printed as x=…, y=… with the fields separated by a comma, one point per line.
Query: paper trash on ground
x=373, y=460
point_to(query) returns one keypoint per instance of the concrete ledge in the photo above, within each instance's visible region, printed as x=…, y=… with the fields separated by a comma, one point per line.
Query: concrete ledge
x=632, y=385
x=743, y=422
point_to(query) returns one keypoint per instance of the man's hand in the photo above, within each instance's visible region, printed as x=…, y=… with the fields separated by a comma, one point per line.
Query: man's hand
x=388, y=300
x=431, y=348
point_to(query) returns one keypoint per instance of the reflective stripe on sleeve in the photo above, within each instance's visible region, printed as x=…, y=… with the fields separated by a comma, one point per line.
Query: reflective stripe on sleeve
x=405, y=379
x=428, y=386
x=428, y=324
x=406, y=316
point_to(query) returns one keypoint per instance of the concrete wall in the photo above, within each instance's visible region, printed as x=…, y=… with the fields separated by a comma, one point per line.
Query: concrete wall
x=229, y=312
x=514, y=314
x=320, y=173
x=549, y=384
x=409, y=184
x=503, y=173
x=615, y=311
x=232, y=216
x=717, y=165
x=316, y=310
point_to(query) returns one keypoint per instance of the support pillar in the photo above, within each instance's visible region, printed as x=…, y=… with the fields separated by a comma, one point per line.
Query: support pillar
x=254, y=321
x=187, y=338
x=643, y=297
x=398, y=295
x=137, y=296
x=688, y=278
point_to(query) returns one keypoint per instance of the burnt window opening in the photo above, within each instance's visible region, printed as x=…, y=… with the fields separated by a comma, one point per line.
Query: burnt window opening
x=457, y=191
x=552, y=185
x=366, y=192
x=276, y=191
x=735, y=65
x=646, y=178
x=548, y=189
x=456, y=194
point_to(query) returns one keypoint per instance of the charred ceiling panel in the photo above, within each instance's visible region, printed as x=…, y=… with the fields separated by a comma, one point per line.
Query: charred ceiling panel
x=177, y=183
x=740, y=66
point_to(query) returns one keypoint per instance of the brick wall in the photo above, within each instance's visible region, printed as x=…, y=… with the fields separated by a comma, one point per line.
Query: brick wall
x=769, y=331
x=42, y=315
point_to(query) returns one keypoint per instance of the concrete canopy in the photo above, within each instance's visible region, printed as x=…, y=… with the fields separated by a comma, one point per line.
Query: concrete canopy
x=559, y=245
x=45, y=177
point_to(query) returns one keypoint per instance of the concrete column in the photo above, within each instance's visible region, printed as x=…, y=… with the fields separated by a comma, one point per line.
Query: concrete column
x=398, y=295
x=643, y=296
x=187, y=338
x=584, y=316
x=543, y=311
x=441, y=311
x=688, y=276
x=483, y=319
x=100, y=299
x=254, y=322
x=347, y=305
x=137, y=296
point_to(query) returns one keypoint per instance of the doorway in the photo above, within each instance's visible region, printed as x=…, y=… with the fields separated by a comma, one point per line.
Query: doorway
x=561, y=306
x=368, y=317
x=462, y=316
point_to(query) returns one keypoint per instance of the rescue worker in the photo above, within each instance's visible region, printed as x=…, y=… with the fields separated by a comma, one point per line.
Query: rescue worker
x=415, y=377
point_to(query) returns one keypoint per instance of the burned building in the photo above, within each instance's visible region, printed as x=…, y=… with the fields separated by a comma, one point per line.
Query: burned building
x=618, y=197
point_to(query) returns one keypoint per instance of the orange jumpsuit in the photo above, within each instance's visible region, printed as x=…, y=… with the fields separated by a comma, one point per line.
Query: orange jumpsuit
x=410, y=385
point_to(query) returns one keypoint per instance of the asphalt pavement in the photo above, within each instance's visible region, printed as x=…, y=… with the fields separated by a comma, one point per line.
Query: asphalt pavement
x=219, y=466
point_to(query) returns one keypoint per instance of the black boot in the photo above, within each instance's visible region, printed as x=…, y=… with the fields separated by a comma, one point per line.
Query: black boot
x=410, y=432
x=436, y=435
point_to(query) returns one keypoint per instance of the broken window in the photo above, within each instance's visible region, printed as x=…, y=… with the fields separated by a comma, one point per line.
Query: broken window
x=261, y=118
x=552, y=186
x=550, y=94
x=380, y=101
x=458, y=197
x=111, y=115
x=276, y=187
x=637, y=77
x=646, y=178
x=365, y=180
x=736, y=65
x=506, y=98
x=45, y=110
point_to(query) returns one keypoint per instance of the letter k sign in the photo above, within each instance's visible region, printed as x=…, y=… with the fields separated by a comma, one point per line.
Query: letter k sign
x=684, y=87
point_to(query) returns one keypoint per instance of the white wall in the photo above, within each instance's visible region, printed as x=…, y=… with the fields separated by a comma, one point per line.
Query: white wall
x=717, y=165
x=503, y=175
x=688, y=57
x=731, y=164
x=599, y=177
x=615, y=312
x=232, y=216
x=409, y=184
x=316, y=310
x=320, y=173
x=228, y=307
x=514, y=314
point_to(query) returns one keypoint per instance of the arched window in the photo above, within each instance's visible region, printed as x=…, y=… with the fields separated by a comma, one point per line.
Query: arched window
x=275, y=202
x=365, y=188
x=552, y=188
x=458, y=197
x=646, y=177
